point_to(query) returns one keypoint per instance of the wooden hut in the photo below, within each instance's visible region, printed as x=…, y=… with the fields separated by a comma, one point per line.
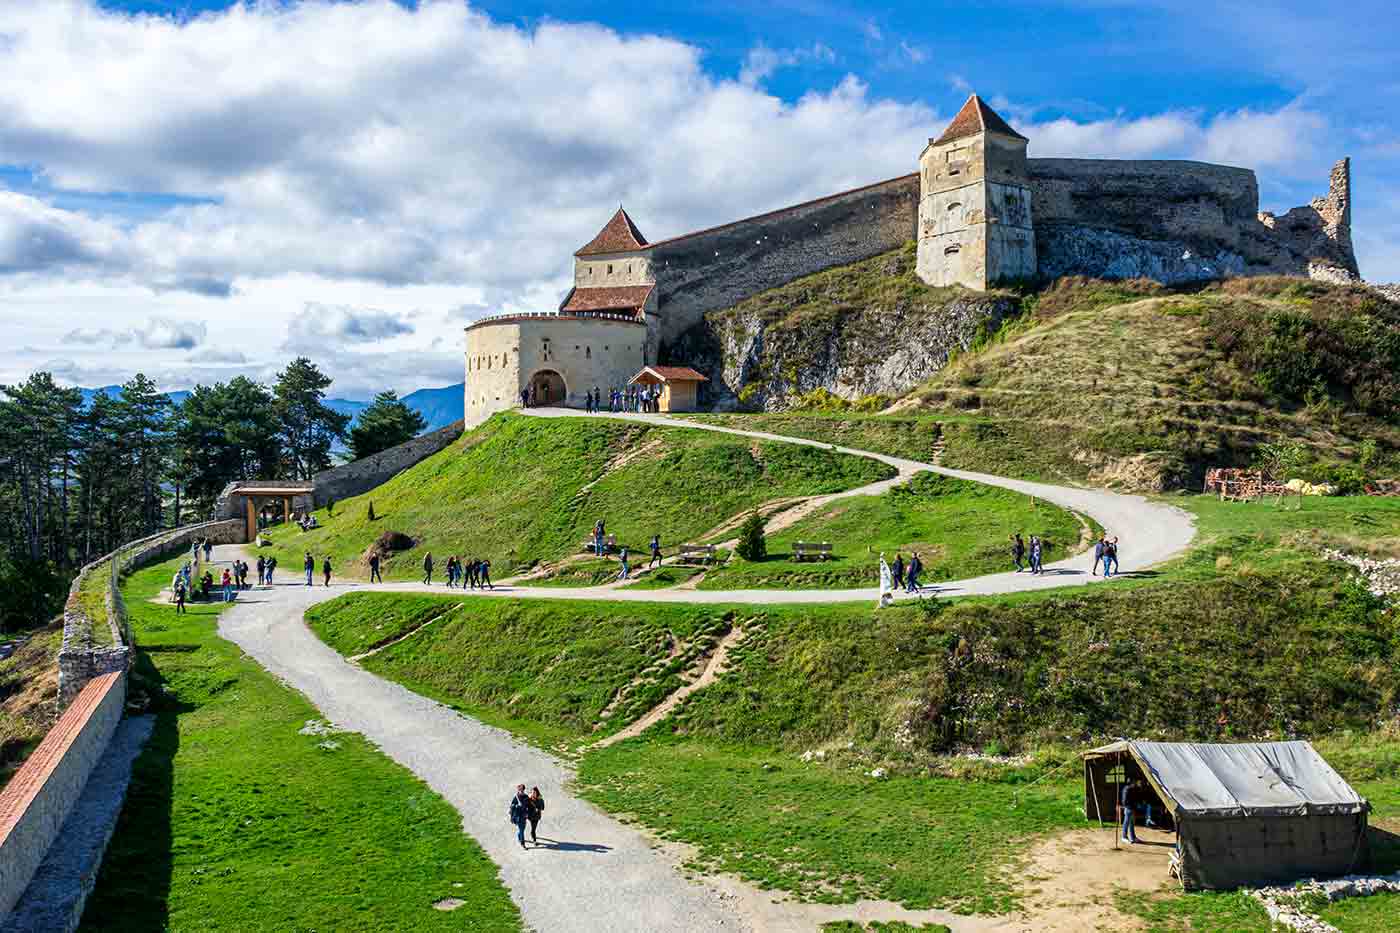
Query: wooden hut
x=680, y=385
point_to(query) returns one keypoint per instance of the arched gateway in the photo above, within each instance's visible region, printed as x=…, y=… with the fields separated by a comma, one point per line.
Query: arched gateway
x=547, y=388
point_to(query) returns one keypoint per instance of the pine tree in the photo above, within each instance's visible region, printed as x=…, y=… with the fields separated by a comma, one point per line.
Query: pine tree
x=752, y=544
x=386, y=423
x=308, y=426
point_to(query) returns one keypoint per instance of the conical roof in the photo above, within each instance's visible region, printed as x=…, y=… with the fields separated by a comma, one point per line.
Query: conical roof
x=976, y=117
x=619, y=235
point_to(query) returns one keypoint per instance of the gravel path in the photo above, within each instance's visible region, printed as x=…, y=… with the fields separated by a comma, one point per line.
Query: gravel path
x=596, y=874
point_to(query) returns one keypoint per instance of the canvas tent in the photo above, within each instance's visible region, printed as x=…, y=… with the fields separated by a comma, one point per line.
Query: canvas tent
x=1251, y=813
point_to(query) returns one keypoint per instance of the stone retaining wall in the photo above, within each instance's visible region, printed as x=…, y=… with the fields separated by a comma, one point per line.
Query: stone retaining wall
x=81, y=658
x=38, y=799
x=360, y=476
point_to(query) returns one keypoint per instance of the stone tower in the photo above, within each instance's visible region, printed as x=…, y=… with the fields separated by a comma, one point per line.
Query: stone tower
x=975, y=203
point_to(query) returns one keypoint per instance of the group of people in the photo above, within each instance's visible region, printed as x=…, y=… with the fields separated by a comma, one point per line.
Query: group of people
x=1106, y=553
x=526, y=809
x=309, y=565
x=898, y=576
x=307, y=522
x=265, y=567
x=633, y=398
x=471, y=573
x=1035, y=551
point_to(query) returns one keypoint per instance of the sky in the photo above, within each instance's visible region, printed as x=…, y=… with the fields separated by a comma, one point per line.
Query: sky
x=197, y=189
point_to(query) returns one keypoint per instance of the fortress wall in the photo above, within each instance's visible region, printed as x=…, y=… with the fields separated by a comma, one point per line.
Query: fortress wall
x=493, y=378
x=359, y=476
x=716, y=268
x=584, y=351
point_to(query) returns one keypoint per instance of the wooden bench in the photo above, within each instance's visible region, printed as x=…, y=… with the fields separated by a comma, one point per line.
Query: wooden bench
x=609, y=544
x=811, y=550
x=697, y=553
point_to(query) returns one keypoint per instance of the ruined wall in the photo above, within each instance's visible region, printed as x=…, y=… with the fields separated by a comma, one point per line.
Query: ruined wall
x=359, y=476
x=717, y=268
x=1178, y=221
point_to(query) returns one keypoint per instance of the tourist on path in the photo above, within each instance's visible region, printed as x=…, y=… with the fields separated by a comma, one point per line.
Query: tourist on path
x=228, y=586
x=598, y=534
x=374, y=568
x=1113, y=554
x=179, y=594
x=1036, y=550
x=916, y=567
x=886, y=584
x=262, y=569
x=452, y=571
x=520, y=812
x=1127, y=798
x=1018, y=551
x=655, y=552
x=428, y=568
x=622, y=556
x=326, y=570
x=536, y=812
x=208, y=550
x=271, y=566
x=897, y=573
x=309, y=565
x=484, y=577
x=1100, y=548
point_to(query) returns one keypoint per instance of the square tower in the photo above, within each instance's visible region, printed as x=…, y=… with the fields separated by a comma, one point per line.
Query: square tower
x=975, y=203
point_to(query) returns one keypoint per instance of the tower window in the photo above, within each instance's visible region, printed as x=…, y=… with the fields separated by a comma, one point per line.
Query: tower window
x=955, y=206
x=609, y=268
x=950, y=250
x=588, y=353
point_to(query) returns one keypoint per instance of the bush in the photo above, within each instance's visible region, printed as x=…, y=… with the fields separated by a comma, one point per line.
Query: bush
x=752, y=543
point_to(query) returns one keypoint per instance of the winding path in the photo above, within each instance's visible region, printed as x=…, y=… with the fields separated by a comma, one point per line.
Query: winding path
x=596, y=874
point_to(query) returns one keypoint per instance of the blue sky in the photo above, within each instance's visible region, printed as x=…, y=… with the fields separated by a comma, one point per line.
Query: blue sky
x=196, y=190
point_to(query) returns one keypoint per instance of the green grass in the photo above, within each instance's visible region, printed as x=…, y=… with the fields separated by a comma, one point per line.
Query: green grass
x=28, y=696
x=236, y=821
x=829, y=835
x=514, y=491
x=92, y=597
x=1379, y=913
x=959, y=528
x=546, y=670
x=1201, y=912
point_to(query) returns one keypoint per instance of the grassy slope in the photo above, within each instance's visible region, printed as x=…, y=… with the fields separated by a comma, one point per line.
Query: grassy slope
x=513, y=492
x=959, y=528
x=28, y=696
x=237, y=821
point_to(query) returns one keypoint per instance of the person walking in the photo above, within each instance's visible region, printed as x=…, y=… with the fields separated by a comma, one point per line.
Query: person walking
x=473, y=572
x=428, y=568
x=535, y=814
x=1036, y=551
x=271, y=566
x=326, y=570
x=1018, y=551
x=598, y=534
x=655, y=552
x=1100, y=548
x=484, y=577
x=452, y=571
x=897, y=573
x=916, y=567
x=208, y=551
x=227, y=583
x=262, y=569
x=1127, y=799
x=374, y=568
x=520, y=813
x=179, y=594
x=1112, y=554
x=309, y=565
x=622, y=556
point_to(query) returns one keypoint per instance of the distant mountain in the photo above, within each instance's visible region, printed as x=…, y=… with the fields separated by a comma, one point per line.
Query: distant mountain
x=439, y=407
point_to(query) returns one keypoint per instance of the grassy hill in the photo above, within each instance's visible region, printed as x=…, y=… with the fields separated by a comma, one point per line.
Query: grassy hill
x=521, y=490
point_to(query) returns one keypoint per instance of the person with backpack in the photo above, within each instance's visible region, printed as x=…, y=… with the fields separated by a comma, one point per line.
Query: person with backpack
x=916, y=567
x=227, y=584
x=374, y=568
x=520, y=813
x=655, y=552
x=309, y=565
x=536, y=813
x=428, y=568
x=1018, y=551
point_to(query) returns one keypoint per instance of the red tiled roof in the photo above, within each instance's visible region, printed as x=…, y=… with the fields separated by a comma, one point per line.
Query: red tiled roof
x=619, y=235
x=621, y=297
x=975, y=117
x=674, y=373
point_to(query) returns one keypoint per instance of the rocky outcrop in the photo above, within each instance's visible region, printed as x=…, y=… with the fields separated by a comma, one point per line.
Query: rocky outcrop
x=870, y=329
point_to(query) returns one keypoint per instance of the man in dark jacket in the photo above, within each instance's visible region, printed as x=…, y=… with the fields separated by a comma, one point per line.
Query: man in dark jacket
x=1127, y=799
x=520, y=810
x=916, y=567
x=897, y=572
x=309, y=565
x=1100, y=547
x=1018, y=551
x=374, y=568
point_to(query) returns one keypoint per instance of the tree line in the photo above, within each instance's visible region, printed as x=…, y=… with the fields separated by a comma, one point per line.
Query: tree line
x=80, y=478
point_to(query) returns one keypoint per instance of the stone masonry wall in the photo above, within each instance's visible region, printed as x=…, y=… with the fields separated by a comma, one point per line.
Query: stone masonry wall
x=360, y=476
x=40, y=796
x=717, y=268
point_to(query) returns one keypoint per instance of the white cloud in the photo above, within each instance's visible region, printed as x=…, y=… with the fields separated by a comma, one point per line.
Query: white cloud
x=321, y=327
x=762, y=61
x=158, y=333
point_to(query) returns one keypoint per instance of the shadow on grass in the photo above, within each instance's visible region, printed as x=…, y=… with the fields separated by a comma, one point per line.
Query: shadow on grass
x=133, y=886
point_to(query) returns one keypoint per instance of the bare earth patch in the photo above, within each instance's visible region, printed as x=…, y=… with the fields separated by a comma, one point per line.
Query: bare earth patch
x=1069, y=880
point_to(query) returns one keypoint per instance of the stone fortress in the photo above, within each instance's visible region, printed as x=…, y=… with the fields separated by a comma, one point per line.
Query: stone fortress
x=982, y=213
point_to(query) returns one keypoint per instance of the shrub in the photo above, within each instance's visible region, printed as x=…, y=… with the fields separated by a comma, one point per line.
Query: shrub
x=752, y=543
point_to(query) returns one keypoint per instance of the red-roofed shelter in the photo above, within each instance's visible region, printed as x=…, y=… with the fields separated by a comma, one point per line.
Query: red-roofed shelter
x=680, y=386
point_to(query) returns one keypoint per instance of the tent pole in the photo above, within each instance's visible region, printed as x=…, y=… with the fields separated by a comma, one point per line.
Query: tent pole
x=1118, y=830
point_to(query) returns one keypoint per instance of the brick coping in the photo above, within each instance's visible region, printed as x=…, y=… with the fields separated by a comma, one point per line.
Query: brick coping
x=29, y=780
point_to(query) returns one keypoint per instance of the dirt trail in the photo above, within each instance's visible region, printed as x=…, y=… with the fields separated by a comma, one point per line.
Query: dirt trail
x=1070, y=880
x=713, y=668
